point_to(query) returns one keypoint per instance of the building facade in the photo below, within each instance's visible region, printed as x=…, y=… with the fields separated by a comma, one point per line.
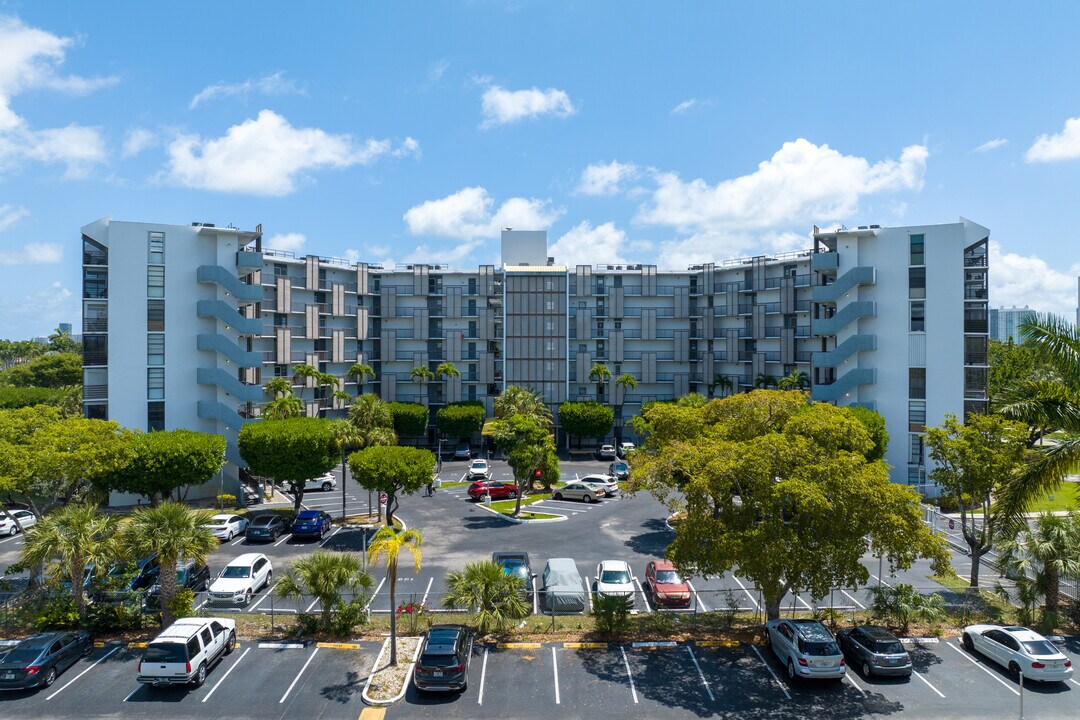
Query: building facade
x=1005, y=322
x=217, y=315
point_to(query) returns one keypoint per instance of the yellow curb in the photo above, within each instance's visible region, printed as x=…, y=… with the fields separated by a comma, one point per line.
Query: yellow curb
x=136, y=645
x=716, y=643
x=585, y=646
x=519, y=646
x=339, y=646
x=373, y=713
x=99, y=644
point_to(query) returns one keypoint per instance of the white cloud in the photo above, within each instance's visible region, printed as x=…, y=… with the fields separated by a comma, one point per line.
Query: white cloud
x=137, y=140
x=501, y=106
x=276, y=84
x=9, y=215
x=291, y=242
x=801, y=183
x=721, y=245
x=452, y=255
x=605, y=179
x=1063, y=146
x=30, y=58
x=991, y=145
x=268, y=156
x=687, y=105
x=586, y=245
x=409, y=147
x=38, y=312
x=471, y=213
x=1028, y=280
x=32, y=254
x=437, y=70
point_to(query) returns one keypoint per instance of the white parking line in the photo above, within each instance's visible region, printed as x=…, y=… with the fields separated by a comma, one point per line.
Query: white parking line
x=84, y=672
x=313, y=604
x=265, y=595
x=284, y=537
x=297, y=678
x=976, y=663
x=752, y=599
x=883, y=582
x=201, y=605
x=799, y=598
x=9, y=539
x=697, y=598
x=332, y=534
x=919, y=675
x=701, y=674
x=644, y=599
x=377, y=589
x=633, y=690
x=231, y=668
x=555, y=666
x=238, y=540
x=847, y=676
x=483, y=675
x=769, y=668
x=423, y=601
x=1070, y=680
x=137, y=689
x=849, y=597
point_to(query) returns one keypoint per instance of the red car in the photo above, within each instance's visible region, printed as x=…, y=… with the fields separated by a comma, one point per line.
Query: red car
x=667, y=587
x=493, y=488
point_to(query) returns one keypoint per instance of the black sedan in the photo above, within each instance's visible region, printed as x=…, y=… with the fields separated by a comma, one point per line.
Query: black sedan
x=875, y=651
x=266, y=527
x=37, y=661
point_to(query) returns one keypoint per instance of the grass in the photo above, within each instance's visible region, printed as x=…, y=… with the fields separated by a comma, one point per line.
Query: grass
x=507, y=506
x=1066, y=497
x=529, y=515
x=456, y=483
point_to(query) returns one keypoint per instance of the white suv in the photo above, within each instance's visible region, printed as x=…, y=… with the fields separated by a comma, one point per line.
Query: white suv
x=242, y=578
x=183, y=653
x=326, y=483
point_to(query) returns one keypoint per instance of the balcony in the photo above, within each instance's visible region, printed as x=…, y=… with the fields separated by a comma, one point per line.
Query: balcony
x=95, y=257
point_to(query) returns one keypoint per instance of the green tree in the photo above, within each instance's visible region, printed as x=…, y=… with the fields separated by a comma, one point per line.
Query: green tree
x=586, y=419
x=374, y=420
x=394, y=470
x=422, y=376
x=167, y=460
x=57, y=370
x=20, y=397
x=974, y=460
x=764, y=381
x=16, y=352
x=444, y=372
x=517, y=400
x=305, y=375
x=624, y=382
x=493, y=596
x=797, y=380
x=361, y=371
x=410, y=419
x=60, y=341
x=723, y=382
x=290, y=451
x=461, y=420
x=1047, y=551
x=283, y=404
x=782, y=493
x=328, y=577
x=599, y=374
x=875, y=425
x=68, y=457
x=903, y=605
x=529, y=446
x=1012, y=363
x=171, y=531
x=68, y=541
x=388, y=543
x=692, y=400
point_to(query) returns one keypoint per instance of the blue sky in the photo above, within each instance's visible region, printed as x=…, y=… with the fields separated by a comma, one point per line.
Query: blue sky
x=658, y=132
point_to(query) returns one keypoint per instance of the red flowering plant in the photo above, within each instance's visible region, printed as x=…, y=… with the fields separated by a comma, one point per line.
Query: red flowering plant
x=415, y=615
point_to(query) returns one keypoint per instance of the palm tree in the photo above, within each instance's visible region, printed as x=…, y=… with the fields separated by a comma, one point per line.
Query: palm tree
x=723, y=382
x=389, y=542
x=517, y=400
x=600, y=374
x=444, y=372
x=764, y=381
x=170, y=531
x=302, y=373
x=374, y=424
x=797, y=380
x=346, y=439
x=278, y=387
x=76, y=535
x=283, y=403
x=325, y=381
x=1047, y=551
x=494, y=596
x=326, y=576
x=359, y=371
x=421, y=376
x=625, y=382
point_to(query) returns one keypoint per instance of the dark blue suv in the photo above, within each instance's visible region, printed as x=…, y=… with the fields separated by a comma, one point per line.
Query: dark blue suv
x=311, y=523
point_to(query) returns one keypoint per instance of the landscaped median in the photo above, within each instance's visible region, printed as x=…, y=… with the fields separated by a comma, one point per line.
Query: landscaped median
x=505, y=508
x=386, y=684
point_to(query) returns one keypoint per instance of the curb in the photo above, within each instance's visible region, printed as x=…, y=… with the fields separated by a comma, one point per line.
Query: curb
x=652, y=644
x=282, y=646
x=339, y=646
x=519, y=521
x=585, y=645
x=404, y=686
x=518, y=646
x=716, y=643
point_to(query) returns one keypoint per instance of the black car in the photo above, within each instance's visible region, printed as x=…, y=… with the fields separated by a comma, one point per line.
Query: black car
x=189, y=574
x=517, y=564
x=619, y=470
x=266, y=527
x=875, y=651
x=37, y=661
x=444, y=659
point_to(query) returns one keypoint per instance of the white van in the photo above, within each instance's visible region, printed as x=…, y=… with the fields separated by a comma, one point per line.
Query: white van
x=183, y=652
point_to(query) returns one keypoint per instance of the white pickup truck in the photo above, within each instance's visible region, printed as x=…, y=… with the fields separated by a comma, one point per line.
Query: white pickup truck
x=183, y=653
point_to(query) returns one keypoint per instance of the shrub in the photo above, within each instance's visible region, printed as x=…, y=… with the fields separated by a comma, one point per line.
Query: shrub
x=182, y=604
x=461, y=419
x=586, y=419
x=611, y=615
x=226, y=499
x=414, y=616
x=410, y=419
x=56, y=612
x=114, y=617
x=902, y=605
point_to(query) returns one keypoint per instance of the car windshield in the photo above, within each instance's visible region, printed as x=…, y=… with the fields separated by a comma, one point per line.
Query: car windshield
x=819, y=649
x=1039, y=647
x=889, y=647
x=615, y=577
x=515, y=567
x=181, y=575
x=439, y=661
x=165, y=653
x=620, y=466
x=668, y=577
x=236, y=571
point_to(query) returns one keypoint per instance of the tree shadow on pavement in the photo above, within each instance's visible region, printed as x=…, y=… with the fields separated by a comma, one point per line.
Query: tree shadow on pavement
x=652, y=539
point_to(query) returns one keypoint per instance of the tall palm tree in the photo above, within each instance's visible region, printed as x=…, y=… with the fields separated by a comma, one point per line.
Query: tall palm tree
x=283, y=407
x=797, y=380
x=76, y=535
x=494, y=596
x=360, y=371
x=170, y=531
x=302, y=373
x=389, y=543
x=421, y=376
x=764, y=381
x=517, y=400
x=723, y=382
x=326, y=576
x=327, y=381
x=346, y=439
x=444, y=372
x=599, y=374
x=278, y=387
x=625, y=382
x=1047, y=551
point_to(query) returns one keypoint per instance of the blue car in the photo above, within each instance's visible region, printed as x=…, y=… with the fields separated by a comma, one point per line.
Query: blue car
x=311, y=523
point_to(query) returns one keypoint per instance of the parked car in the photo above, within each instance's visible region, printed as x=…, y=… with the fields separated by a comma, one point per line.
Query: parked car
x=562, y=588
x=667, y=587
x=479, y=469
x=517, y=564
x=806, y=648
x=605, y=482
x=37, y=661
x=189, y=574
x=614, y=579
x=444, y=659
x=311, y=523
x=145, y=575
x=875, y=650
x=325, y=482
x=1020, y=651
x=607, y=452
x=241, y=578
x=625, y=449
x=184, y=652
x=492, y=488
x=462, y=452
x=578, y=491
x=266, y=527
x=226, y=526
x=619, y=470
x=26, y=519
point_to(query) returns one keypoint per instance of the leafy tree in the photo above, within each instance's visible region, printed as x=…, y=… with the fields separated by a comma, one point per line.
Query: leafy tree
x=374, y=425
x=973, y=461
x=903, y=605
x=283, y=403
x=60, y=341
x=361, y=371
x=69, y=456
x=328, y=577
x=290, y=451
x=530, y=447
x=461, y=419
x=1047, y=551
x=517, y=400
x=168, y=460
x=16, y=352
x=55, y=370
x=783, y=493
x=393, y=470
x=171, y=531
x=444, y=372
x=1012, y=363
x=586, y=419
x=388, y=543
x=19, y=397
x=724, y=383
x=692, y=400
x=599, y=373
x=76, y=536
x=875, y=425
x=410, y=419
x=494, y=597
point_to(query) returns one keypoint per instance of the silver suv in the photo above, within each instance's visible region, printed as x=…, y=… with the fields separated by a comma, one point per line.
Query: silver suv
x=806, y=648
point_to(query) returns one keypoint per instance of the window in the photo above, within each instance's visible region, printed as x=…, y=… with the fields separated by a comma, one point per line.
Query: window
x=918, y=317
x=155, y=281
x=916, y=475
x=975, y=318
x=549, y=284
x=549, y=346
x=471, y=308
x=95, y=349
x=549, y=305
x=95, y=283
x=155, y=349
x=582, y=348
x=472, y=328
x=280, y=270
x=917, y=255
x=975, y=350
x=549, y=326
x=155, y=383
x=916, y=415
x=472, y=286
x=915, y=446
x=155, y=315
x=917, y=383
x=917, y=282
x=156, y=243
x=617, y=281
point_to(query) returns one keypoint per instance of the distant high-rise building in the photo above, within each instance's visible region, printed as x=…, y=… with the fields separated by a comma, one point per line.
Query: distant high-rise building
x=64, y=328
x=1005, y=322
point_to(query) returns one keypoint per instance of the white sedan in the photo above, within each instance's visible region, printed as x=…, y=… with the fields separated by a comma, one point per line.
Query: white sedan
x=614, y=579
x=226, y=527
x=1020, y=651
x=26, y=519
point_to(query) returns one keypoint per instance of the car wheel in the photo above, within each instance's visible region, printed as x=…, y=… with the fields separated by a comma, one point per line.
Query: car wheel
x=968, y=645
x=768, y=639
x=89, y=648
x=247, y=596
x=791, y=670
x=557, y=496
x=13, y=531
x=230, y=644
x=867, y=671
x=485, y=498
x=586, y=499
x=512, y=494
x=269, y=578
x=326, y=487
x=230, y=537
x=50, y=677
x=200, y=676
x=1014, y=672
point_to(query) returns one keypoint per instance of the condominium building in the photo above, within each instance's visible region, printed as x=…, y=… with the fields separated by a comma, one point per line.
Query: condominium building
x=1005, y=322
x=218, y=315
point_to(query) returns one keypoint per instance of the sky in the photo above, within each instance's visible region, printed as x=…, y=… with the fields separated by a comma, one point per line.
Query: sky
x=667, y=133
